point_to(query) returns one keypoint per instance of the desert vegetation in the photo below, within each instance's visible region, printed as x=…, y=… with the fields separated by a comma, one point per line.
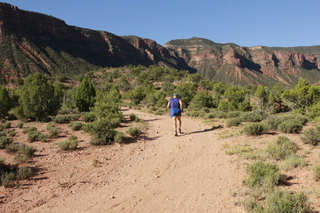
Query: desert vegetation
x=92, y=105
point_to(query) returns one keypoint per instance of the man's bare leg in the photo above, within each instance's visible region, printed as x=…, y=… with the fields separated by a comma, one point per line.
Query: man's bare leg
x=174, y=120
x=179, y=123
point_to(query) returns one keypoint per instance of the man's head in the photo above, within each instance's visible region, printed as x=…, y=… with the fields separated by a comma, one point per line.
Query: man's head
x=175, y=95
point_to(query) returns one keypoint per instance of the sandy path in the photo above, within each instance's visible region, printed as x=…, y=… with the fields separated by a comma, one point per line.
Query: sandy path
x=161, y=173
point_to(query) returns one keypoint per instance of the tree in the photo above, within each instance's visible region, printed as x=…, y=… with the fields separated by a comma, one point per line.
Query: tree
x=85, y=95
x=38, y=98
x=261, y=96
x=303, y=95
x=202, y=99
x=5, y=102
x=186, y=92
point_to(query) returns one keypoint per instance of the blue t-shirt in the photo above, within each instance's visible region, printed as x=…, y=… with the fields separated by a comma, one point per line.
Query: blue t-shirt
x=174, y=103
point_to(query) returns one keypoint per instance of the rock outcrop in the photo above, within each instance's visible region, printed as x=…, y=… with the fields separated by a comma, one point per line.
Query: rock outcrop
x=33, y=42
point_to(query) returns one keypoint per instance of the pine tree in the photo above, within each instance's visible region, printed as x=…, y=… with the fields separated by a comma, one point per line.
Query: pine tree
x=85, y=95
x=4, y=102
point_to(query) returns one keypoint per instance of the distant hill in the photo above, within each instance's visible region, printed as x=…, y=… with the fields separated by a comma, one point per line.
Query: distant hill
x=248, y=65
x=32, y=42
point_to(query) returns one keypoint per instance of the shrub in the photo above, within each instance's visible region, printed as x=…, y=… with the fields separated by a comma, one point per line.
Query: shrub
x=118, y=138
x=24, y=153
x=12, y=148
x=24, y=173
x=4, y=140
x=311, y=136
x=34, y=136
x=254, y=116
x=7, y=179
x=316, y=172
x=1, y=127
x=66, y=118
x=2, y=133
x=233, y=122
x=273, y=121
x=70, y=144
x=254, y=129
x=290, y=126
x=134, y=130
x=11, y=132
x=88, y=117
x=54, y=132
x=29, y=129
x=281, y=148
x=7, y=125
x=76, y=125
x=264, y=175
x=283, y=201
x=132, y=116
x=293, y=161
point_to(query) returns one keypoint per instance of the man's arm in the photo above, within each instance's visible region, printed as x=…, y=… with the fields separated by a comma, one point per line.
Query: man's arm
x=168, y=105
x=181, y=104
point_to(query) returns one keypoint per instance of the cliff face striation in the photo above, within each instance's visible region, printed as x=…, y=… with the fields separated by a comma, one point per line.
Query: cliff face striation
x=33, y=42
x=255, y=65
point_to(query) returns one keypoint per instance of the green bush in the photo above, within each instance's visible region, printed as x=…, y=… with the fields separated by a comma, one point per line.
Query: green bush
x=254, y=129
x=263, y=175
x=1, y=127
x=70, y=144
x=132, y=117
x=233, y=122
x=273, y=121
x=254, y=116
x=283, y=201
x=24, y=153
x=7, y=125
x=2, y=133
x=29, y=129
x=12, y=148
x=311, y=136
x=281, y=148
x=76, y=125
x=7, y=179
x=118, y=138
x=66, y=118
x=134, y=130
x=54, y=132
x=11, y=132
x=4, y=141
x=24, y=173
x=290, y=126
x=34, y=136
x=88, y=117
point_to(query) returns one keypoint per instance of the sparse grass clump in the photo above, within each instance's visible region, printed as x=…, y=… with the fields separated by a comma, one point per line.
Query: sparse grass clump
x=11, y=132
x=316, y=172
x=293, y=161
x=118, y=138
x=282, y=202
x=70, y=144
x=281, y=148
x=253, y=129
x=311, y=136
x=24, y=173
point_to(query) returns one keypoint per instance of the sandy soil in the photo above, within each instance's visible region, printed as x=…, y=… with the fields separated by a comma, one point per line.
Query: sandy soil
x=155, y=173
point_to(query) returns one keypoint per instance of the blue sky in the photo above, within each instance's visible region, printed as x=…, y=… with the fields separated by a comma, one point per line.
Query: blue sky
x=282, y=23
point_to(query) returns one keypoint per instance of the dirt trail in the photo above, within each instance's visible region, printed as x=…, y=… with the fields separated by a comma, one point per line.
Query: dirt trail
x=158, y=173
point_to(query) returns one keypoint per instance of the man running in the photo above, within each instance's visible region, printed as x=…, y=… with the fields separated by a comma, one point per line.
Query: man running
x=176, y=107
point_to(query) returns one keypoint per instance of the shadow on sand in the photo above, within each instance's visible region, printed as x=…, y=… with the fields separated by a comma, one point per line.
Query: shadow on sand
x=205, y=130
